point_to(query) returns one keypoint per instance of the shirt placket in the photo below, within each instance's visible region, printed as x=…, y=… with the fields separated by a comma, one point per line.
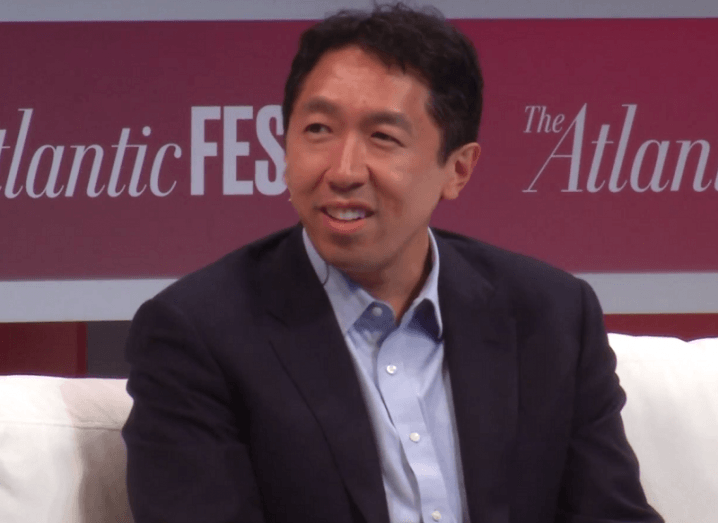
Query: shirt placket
x=399, y=393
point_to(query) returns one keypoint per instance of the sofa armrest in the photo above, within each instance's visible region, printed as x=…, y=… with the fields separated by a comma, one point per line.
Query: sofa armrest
x=671, y=421
x=62, y=458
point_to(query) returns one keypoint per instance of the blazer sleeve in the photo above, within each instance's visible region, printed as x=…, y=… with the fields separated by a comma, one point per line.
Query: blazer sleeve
x=601, y=477
x=187, y=456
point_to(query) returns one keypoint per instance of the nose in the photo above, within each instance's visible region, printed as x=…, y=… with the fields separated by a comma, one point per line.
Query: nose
x=349, y=170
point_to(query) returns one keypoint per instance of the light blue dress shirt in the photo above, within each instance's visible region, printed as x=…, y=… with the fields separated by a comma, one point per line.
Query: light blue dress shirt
x=406, y=387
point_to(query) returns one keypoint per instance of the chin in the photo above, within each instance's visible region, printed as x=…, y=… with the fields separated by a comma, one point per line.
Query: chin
x=345, y=260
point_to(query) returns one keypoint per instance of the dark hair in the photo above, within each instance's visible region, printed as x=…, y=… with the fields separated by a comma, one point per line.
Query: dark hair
x=420, y=39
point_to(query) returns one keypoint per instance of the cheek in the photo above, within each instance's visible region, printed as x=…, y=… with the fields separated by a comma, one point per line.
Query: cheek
x=304, y=170
x=290, y=180
x=394, y=191
x=296, y=179
x=410, y=197
x=403, y=179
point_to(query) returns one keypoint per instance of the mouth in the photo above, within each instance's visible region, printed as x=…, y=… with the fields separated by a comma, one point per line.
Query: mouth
x=346, y=214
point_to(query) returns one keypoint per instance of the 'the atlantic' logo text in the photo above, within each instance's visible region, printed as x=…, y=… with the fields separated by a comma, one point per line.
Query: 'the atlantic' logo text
x=623, y=172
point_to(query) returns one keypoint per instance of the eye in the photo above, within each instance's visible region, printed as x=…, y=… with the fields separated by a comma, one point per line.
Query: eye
x=385, y=137
x=316, y=128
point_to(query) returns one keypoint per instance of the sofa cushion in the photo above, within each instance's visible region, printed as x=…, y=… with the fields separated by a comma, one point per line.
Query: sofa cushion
x=62, y=458
x=671, y=421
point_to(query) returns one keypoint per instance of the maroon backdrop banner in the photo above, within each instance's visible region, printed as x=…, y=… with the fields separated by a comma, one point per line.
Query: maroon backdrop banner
x=147, y=149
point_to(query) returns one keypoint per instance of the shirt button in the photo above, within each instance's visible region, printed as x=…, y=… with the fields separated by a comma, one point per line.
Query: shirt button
x=391, y=369
x=415, y=437
x=377, y=311
x=436, y=515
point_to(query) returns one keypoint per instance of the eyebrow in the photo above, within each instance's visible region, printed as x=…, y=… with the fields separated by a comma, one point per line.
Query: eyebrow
x=391, y=118
x=322, y=105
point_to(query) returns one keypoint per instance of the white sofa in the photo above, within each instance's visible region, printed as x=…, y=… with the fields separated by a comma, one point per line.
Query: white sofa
x=62, y=459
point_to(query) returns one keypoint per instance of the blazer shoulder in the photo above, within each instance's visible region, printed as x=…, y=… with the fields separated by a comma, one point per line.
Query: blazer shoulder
x=523, y=278
x=233, y=279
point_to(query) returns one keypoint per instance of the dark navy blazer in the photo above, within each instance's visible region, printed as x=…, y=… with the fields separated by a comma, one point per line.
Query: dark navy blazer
x=247, y=407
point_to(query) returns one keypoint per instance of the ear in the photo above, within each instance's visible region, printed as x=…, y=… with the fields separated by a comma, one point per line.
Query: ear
x=284, y=177
x=460, y=165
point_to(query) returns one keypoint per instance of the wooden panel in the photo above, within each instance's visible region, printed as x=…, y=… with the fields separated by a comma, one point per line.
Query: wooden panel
x=55, y=349
x=60, y=349
x=685, y=326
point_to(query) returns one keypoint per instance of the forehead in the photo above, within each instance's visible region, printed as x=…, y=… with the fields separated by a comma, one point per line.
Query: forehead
x=358, y=79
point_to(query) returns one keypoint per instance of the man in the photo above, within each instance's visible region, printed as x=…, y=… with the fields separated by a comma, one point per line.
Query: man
x=362, y=367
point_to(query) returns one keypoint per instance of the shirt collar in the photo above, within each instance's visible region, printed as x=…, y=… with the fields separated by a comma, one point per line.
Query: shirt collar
x=349, y=300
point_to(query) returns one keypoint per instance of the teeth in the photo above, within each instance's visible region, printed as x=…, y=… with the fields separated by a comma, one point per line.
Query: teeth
x=347, y=214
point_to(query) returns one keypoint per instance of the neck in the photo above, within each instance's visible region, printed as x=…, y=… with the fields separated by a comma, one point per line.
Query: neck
x=399, y=283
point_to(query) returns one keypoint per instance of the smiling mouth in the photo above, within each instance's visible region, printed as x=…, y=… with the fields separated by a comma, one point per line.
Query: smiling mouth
x=347, y=215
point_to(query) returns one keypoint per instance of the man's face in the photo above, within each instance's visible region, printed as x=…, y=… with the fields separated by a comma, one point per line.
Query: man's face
x=362, y=163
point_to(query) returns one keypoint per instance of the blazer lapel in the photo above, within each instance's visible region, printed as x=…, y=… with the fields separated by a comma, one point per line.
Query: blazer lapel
x=480, y=350
x=306, y=337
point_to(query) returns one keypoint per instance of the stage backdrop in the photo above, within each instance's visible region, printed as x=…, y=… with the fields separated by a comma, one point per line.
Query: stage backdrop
x=134, y=152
